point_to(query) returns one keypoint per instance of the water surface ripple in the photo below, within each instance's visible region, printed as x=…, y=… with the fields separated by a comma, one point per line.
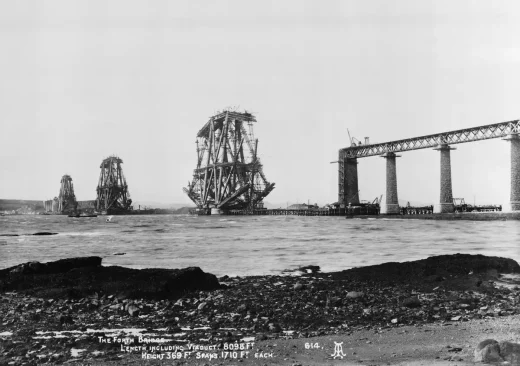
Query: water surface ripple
x=249, y=245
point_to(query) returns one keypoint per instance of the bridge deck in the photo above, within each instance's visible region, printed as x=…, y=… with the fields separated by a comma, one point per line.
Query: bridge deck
x=493, y=131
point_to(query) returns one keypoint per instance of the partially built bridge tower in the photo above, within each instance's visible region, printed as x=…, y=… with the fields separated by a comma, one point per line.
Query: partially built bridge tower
x=67, y=199
x=229, y=174
x=112, y=191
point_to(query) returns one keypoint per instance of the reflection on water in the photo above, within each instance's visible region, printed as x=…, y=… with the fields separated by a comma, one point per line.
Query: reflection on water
x=250, y=245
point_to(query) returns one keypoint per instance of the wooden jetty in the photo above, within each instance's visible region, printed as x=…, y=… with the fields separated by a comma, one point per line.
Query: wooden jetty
x=363, y=210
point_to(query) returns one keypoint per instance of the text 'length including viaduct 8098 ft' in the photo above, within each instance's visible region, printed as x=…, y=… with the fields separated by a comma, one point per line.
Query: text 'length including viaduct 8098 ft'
x=348, y=175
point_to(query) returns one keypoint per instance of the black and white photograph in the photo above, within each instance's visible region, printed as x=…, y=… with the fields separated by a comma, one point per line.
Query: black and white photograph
x=239, y=182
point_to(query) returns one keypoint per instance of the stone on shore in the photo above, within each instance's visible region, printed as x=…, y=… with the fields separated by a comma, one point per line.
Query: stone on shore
x=490, y=350
x=133, y=310
x=310, y=269
x=354, y=294
x=412, y=302
x=274, y=327
x=510, y=352
x=65, y=319
x=297, y=286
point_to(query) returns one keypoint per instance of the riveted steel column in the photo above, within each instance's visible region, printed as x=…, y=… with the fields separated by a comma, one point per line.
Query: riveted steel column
x=391, y=205
x=514, y=198
x=445, y=204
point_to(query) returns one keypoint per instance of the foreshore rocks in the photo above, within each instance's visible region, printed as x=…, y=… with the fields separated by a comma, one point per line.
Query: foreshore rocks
x=491, y=351
x=59, y=266
x=80, y=277
x=462, y=271
x=189, y=305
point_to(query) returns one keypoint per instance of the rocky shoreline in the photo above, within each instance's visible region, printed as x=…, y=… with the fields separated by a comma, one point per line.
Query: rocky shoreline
x=66, y=311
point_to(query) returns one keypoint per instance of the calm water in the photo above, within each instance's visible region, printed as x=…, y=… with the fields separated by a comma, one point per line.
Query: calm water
x=238, y=245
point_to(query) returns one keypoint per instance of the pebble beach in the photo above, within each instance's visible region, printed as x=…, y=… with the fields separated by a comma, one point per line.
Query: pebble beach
x=57, y=317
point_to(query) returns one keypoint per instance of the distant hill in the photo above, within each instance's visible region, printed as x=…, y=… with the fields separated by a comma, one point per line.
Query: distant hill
x=9, y=205
x=154, y=204
x=183, y=211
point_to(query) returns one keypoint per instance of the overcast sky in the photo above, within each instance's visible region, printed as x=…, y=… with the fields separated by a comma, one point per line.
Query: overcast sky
x=82, y=80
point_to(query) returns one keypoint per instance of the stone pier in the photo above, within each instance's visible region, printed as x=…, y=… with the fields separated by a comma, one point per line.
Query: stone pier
x=445, y=204
x=351, y=181
x=514, y=198
x=391, y=205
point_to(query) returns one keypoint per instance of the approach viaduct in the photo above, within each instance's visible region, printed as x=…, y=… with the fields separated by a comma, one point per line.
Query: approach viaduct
x=348, y=175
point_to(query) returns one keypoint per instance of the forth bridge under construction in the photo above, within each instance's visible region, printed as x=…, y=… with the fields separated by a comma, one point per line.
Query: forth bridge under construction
x=229, y=174
x=112, y=191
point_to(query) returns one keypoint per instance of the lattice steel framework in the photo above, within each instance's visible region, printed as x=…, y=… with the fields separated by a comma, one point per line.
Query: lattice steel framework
x=67, y=199
x=229, y=174
x=423, y=142
x=492, y=131
x=112, y=190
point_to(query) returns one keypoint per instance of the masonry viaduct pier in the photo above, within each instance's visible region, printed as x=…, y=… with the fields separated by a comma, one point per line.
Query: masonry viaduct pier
x=348, y=159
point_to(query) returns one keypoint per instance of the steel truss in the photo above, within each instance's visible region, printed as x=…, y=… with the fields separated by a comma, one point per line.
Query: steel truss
x=112, y=190
x=67, y=199
x=423, y=142
x=229, y=173
x=492, y=131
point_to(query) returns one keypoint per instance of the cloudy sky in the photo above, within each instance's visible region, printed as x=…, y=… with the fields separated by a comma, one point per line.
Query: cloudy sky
x=82, y=80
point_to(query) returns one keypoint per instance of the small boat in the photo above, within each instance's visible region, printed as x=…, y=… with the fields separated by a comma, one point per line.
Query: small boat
x=78, y=215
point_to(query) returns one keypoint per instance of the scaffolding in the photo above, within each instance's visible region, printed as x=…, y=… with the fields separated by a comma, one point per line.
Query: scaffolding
x=67, y=199
x=229, y=173
x=112, y=191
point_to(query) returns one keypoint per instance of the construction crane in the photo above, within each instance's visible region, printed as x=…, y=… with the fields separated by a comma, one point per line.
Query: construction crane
x=355, y=142
x=377, y=200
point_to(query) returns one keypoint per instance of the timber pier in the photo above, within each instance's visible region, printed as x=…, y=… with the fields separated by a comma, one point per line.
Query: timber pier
x=286, y=212
x=357, y=211
x=325, y=211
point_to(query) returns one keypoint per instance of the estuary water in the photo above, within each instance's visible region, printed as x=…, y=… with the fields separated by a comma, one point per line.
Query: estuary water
x=249, y=245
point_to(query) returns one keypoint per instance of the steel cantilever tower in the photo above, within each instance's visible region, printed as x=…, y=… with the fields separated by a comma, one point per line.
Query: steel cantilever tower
x=112, y=191
x=229, y=173
x=67, y=199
